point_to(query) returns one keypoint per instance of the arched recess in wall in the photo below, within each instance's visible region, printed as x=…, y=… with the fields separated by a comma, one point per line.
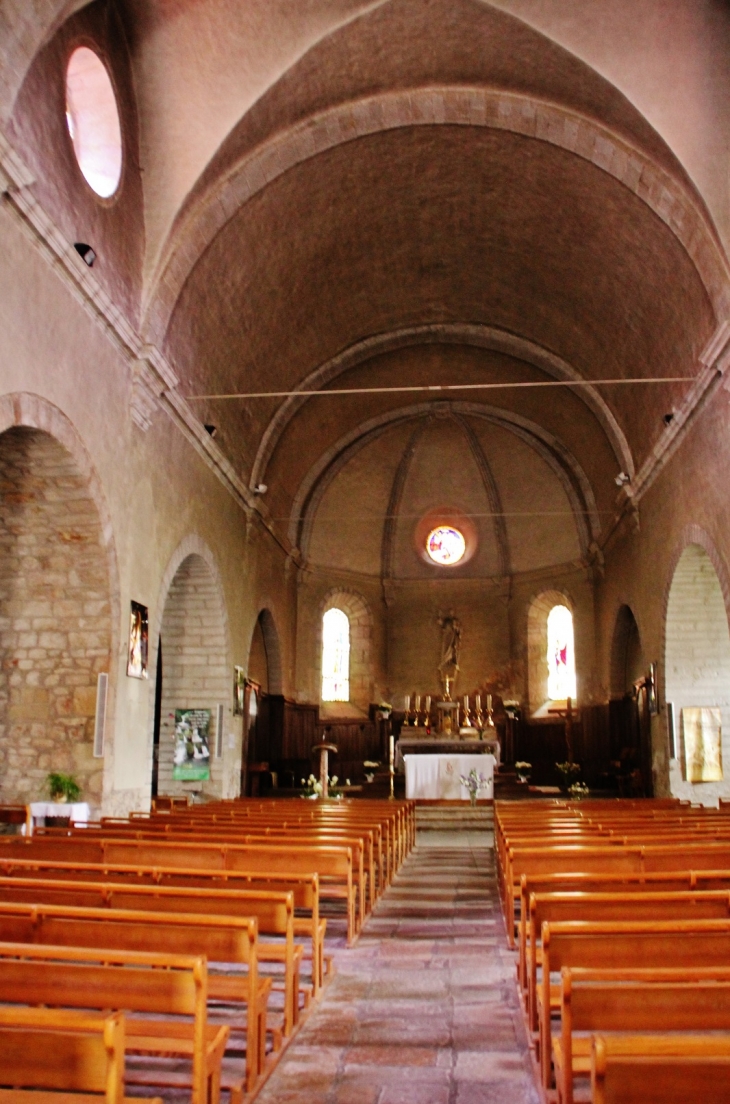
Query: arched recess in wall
x=361, y=639
x=56, y=612
x=628, y=710
x=537, y=645
x=263, y=718
x=697, y=663
x=627, y=660
x=196, y=675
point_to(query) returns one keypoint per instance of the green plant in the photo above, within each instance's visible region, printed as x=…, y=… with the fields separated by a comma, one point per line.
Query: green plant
x=63, y=785
x=578, y=790
x=569, y=772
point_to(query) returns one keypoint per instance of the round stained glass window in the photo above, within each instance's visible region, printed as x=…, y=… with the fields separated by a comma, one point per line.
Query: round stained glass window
x=445, y=545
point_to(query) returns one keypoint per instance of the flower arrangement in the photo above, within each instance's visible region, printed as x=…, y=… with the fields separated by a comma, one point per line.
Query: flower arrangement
x=578, y=790
x=63, y=787
x=474, y=782
x=522, y=769
x=569, y=772
x=313, y=787
x=370, y=766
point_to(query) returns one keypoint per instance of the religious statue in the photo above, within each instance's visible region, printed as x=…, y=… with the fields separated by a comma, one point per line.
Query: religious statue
x=450, y=648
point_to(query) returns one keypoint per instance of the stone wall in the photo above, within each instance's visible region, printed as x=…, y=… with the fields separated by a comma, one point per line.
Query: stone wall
x=54, y=618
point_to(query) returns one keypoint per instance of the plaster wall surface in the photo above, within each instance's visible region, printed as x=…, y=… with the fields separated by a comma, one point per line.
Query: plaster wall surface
x=155, y=489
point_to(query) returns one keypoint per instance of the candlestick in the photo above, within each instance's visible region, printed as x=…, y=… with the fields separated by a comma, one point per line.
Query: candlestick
x=428, y=704
x=391, y=771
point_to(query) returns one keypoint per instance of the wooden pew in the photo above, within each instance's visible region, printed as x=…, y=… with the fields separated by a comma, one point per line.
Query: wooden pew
x=161, y=986
x=333, y=864
x=226, y=940
x=360, y=847
x=303, y=887
x=638, y=1006
x=612, y=944
x=592, y=907
x=646, y=1070
x=274, y=914
x=44, y=1051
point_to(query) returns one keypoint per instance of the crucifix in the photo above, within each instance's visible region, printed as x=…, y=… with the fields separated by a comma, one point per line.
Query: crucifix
x=568, y=715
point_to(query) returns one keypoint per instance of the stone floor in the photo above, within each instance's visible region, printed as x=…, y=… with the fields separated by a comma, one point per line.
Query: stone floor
x=423, y=1010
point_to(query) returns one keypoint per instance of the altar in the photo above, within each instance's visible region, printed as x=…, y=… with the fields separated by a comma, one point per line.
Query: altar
x=437, y=777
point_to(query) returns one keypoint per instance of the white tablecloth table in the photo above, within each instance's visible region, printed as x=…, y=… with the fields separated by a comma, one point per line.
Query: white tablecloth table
x=436, y=777
x=78, y=811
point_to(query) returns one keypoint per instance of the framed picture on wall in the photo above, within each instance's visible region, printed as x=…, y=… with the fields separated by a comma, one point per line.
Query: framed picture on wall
x=239, y=691
x=139, y=632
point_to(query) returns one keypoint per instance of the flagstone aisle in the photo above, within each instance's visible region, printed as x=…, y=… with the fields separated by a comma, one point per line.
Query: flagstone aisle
x=423, y=1010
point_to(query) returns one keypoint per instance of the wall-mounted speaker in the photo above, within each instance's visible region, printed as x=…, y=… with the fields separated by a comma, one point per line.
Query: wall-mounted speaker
x=102, y=688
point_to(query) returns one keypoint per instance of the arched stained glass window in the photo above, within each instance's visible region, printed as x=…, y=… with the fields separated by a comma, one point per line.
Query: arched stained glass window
x=560, y=654
x=335, y=656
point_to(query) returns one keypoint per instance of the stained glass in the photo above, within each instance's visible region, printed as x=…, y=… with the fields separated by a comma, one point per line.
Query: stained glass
x=445, y=545
x=560, y=654
x=335, y=656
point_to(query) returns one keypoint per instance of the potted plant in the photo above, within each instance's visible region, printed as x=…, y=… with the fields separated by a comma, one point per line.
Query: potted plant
x=578, y=790
x=63, y=788
x=568, y=773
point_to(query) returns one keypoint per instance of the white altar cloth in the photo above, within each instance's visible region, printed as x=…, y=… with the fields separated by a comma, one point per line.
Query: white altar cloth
x=436, y=777
x=78, y=811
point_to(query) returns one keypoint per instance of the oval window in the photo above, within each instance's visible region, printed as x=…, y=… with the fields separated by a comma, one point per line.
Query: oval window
x=445, y=545
x=92, y=118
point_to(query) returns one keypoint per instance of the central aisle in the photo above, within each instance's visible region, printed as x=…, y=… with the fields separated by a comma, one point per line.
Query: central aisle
x=423, y=1010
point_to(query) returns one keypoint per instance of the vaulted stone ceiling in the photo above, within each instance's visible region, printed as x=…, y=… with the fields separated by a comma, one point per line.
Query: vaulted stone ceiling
x=340, y=194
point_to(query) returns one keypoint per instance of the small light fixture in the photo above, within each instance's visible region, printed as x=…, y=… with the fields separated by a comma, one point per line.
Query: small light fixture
x=85, y=252
x=260, y=489
x=622, y=479
x=668, y=419
x=211, y=429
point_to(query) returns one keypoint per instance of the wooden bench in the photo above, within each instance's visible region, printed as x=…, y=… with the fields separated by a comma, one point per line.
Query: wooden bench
x=274, y=914
x=45, y=1052
x=224, y=940
x=647, y=1070
x=159, y=986
x=304, y=887
x=596, y=907
x=608, y=945
x=333, y=864
x=359, y=847
x=621, y=1005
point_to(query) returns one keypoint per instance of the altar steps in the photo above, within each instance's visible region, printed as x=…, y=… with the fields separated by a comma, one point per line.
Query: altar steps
x=437, y=817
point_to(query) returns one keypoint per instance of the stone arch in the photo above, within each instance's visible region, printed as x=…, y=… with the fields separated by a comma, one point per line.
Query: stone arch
x=265, y=628
x=361, y=640
x=571, y=475
x=697, y=651
x=56, y=611
x=517, y=113
x=471, y=334
x=627, y=660
x=191, y=622
x=537, y=618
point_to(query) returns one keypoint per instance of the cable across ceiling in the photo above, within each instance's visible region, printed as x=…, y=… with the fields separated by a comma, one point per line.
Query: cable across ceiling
x=441, y=388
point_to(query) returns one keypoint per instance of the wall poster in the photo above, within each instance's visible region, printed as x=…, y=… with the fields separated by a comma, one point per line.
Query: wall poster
x=191, y=759
x=702, y=730
x=138, y=641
